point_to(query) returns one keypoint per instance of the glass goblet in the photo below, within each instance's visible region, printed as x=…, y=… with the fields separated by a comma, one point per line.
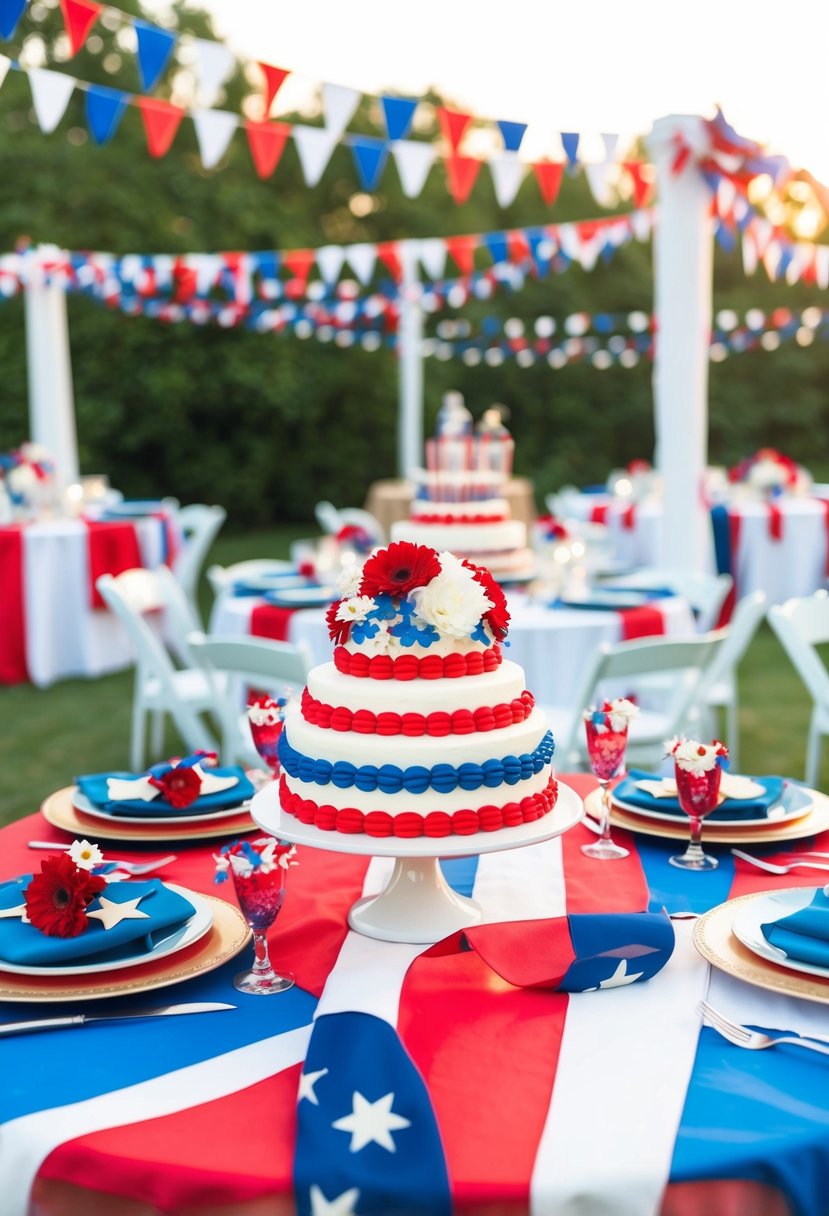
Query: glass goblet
x=606, y=753
x=259, y=880
x=698, y=794
x=266, y=716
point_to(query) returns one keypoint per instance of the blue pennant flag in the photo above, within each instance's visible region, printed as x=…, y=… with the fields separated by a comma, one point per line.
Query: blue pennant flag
x=370, y=157
x=398, y=113
x=10, y=13
x=104, y=110
x=496, y=243
x=155, y=46
x=725, y=237
x=570, y=144
x=512, y=133
x=267, y=263
x=367, y=1137
x=537, y=241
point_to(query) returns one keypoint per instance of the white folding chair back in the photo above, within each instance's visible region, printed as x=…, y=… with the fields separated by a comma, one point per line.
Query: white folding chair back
x=236, y=664
x=161, y=688
x=706, y=593
x=199, y=525
x=721, y=678
x=802, y=625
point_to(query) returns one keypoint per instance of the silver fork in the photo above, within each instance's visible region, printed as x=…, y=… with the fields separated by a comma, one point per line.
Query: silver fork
x=773, y=868
x=130, y=867
x=755, y=1040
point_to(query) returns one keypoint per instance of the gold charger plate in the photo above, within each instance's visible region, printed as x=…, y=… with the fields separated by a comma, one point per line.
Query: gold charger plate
x=58, y=810
x=715, y=941
x=228, y=935
x=814, y=821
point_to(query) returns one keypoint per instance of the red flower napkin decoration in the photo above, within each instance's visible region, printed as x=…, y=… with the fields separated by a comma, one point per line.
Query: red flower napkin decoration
x=181, y=786
x=57, y=897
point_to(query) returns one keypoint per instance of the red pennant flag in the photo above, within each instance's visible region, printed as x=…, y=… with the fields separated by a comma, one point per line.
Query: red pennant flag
x=267, y=143
x=300, y=262
x=161, y=121
x=79, y=16
x=387, y=253
x=185, y=282
x=274, y=79
x=461, y=172
x=548, y=174
x=453, y=124
x=518, y=247
x=642, y=187
x=462, y=249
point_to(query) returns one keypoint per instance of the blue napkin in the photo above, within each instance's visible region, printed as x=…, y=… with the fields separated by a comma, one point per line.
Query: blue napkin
x=94, y=786
x=25, y=945
x=733, y=809
x=804, y=935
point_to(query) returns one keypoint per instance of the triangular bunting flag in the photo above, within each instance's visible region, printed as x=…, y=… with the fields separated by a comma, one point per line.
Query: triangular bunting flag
x=338, y=106
x=314, y=146
x=161, y=121
x=370, y=156
x=5, y=64
x=507, y=174
x=512, y=133
x=496, y=243
x=461, y=173
x=214, y=131
x=330, y=260
x=453, y=124
x=462, y=249
x=519, y=247
x=570, y=144
x=642, y=186
x=214, y=63
x=267, y=143
x=822, y=265
x=50, y=96
x=641, y=223
x=388, y=255
x=79, y=16
x=750, y=253
x=610, y=142
x=398, y=113
x=300, y=262
x=597, y=180
x=274, y=80
x=432, y=256
x=104, y=111
x=155, y=46
x=10, y=13
x=414, y=159
x=548, y=174
x=362, y=259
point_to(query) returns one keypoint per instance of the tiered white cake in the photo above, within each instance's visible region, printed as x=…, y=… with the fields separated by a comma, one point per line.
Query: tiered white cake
x=418, y=727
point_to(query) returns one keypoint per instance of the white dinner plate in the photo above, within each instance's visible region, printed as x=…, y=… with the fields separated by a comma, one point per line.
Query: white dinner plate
x=278, y=581
x=127, y=510
x=795, y=803
x=773, y=905
x=81, y=803
x=600, y=597
x=193, y=929
x=301, y=597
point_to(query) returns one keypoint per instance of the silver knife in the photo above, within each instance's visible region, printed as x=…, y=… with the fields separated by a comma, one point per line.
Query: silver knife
x=81, y=1019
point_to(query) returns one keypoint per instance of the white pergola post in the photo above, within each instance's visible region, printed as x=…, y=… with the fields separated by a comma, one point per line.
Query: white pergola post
x=410, y=369
x=683, y=283
x=51, y=400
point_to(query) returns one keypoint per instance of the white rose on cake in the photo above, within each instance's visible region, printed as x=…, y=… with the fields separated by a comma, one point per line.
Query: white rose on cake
x=454, y=601
x=348, y=581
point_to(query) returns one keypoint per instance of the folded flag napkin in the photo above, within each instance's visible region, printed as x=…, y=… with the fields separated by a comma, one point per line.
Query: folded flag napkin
x=124, y=920
x=583, y=952
x=183, y=787
x=804, y=935
x=638, y=790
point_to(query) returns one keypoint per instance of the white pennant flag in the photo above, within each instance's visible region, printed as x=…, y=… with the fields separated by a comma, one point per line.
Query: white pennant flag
x=771, y=259
x=414, y=159
x=598, y=176
x=5, y=62
x=214, y=63
x=330, y=260
x=507, y=174
x=822, y=265
x=642, y=224
x=214, y=131
x=749, y=253
x=432, y=255
x=610, y=142
x=314, y=146
x=795, y=268
x=361, y=259
x=339, y=104
x=50, y=96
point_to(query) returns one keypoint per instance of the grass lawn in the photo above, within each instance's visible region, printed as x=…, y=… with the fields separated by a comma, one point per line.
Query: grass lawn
x=82, y=726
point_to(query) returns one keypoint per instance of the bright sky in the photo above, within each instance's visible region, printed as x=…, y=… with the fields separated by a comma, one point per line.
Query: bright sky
x=601, y=66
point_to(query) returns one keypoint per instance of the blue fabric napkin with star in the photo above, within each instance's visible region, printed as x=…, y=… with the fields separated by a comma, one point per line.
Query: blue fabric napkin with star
x=731, y=810
x=94, y=787
x=804, y=935
x=139, y=914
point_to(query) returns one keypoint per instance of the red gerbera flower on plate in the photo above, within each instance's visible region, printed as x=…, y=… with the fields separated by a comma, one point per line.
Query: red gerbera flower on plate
x=56, y=898
x=181, y=786
x=497, y=617
x=338, y=631
x=398, y=569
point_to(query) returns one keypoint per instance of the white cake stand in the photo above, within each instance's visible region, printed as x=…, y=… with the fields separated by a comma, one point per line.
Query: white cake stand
x=417, y=905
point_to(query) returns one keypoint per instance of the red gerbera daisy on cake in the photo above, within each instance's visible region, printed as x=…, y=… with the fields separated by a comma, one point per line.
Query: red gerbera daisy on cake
x=56, y=898
x=498, y=615
x=398, y=569
x=338, y=631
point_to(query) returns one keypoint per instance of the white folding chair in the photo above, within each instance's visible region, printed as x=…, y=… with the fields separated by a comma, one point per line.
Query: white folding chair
x=706, y=593
x=802, y=625
x=161, y=687
x=236, y=664
x=222, y=578
x=331, y=519
x=720, y=691
x=686, y=660
x=199, y=525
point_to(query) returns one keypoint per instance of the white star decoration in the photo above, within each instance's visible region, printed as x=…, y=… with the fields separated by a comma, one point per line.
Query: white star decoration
x=343, y=1205
x=371, y=1121
x=306, y=1085
x=111, y=913
x=19, y=911
x=619, y=978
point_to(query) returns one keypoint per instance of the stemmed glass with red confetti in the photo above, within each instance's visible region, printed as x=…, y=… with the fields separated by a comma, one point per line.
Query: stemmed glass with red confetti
x=258, y=869
x=606, y=729
x=266, y=716
x=698, y=770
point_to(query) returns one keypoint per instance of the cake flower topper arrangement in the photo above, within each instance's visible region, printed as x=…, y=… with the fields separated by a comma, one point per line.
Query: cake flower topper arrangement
x=246, y=857
x=771, y=471
x=408, y=594
x=56, y=899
